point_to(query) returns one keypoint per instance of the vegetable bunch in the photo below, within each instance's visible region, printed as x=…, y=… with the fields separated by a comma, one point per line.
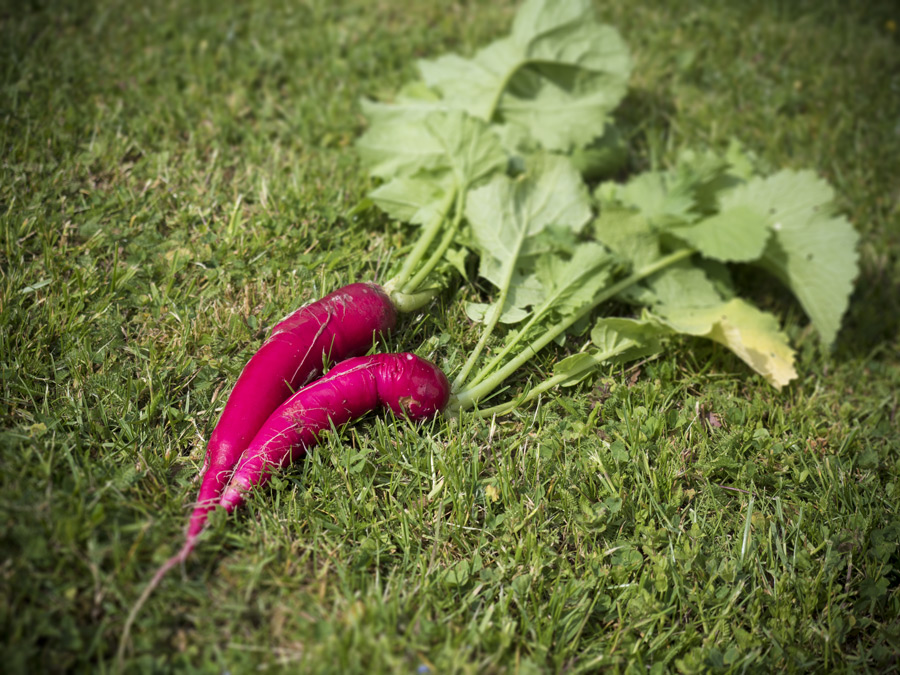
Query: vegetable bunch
x=488, y=157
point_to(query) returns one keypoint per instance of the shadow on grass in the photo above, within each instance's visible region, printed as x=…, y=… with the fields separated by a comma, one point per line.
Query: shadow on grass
x=645, y=120
x=870, y=325
x=872, y=321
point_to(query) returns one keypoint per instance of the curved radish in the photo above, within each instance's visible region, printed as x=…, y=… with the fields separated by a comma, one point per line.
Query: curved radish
x=339, y=325
x=406, y=384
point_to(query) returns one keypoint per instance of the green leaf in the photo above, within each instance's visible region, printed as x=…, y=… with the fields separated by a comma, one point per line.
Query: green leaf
x=680, y=286
x=811, y=251
x=413, y=101
x=397, y=148
x=457, y=259
x=628, y=234
x=458, y=574
x=627, y=339
x=677, y=196
x=552, y=239
x=504, y=213
x=402, y=147
x=525, y=290
x=705, y=175
x=414, y=200
x=561, y=107
x=742, y=163
x=473, y=85
x=558, y=74
x=511, y=220
x=659, y=197
x=736, y=234
x=785, y=222
x=571, y=283
x=818, y=261
x=617, y=341
x=577, y=367
x=472, y=151
x=477, y=311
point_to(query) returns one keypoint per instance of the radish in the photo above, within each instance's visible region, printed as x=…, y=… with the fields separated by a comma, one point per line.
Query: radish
x=339, y=325
x=342, y=324
x=404, y=383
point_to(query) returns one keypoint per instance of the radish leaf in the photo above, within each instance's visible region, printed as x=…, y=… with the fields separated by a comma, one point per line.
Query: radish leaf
x=737, y=234
x=616, y=341
x=628, y=234
x=396, y=148
x=627, y=339
x=413, y=199
x=753, y=335
x=684, y=299
x=506, y=212
x=558, y=74
x=471, y=150
x=572, y=283
x=812, y=251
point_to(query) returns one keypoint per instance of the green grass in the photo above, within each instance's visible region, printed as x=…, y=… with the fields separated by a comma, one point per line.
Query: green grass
x=176, y=176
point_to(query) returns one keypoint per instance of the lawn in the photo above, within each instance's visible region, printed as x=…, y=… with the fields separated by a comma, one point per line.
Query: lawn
x=177, y=176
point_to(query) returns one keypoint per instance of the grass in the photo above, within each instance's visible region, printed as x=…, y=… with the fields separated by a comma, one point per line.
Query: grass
x=178, y=175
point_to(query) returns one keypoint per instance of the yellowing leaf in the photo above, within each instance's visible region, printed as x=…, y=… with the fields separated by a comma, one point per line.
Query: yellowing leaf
x=750, y=333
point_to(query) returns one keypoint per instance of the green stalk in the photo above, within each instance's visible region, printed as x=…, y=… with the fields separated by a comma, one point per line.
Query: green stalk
x=595, y=360
x=468, y=397
x=449, y=235
x=401, y=280
x=410, y=302
x=493, y=319
x=536, y=316
x=507, y=348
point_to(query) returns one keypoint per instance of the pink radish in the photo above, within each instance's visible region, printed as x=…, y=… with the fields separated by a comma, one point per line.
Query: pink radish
x=404, y=383
x=343, y=323
x=339, y=325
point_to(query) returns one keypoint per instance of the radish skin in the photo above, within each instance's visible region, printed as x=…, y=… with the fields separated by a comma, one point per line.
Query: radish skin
x=340, y=325
x=404, y=383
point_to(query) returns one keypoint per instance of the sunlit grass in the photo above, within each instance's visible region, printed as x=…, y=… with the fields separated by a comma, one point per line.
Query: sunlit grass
x=177, y=176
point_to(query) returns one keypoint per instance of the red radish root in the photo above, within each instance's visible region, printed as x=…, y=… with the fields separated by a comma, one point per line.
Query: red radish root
x=339, y=325
x=404, y=383
x=343, y=323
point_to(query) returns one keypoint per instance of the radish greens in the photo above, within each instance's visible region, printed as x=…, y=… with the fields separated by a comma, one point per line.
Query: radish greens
x=486, y=155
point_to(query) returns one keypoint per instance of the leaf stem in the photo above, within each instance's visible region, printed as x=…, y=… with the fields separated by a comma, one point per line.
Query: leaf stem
x=593, y=361
x=449, y=234
x=536, y=316
x=401, y=280
x=410, y=302
x=466, y=398
x=496, y=311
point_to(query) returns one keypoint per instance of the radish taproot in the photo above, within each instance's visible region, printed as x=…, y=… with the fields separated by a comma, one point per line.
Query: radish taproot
x=342, y=324
x=406, y=384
